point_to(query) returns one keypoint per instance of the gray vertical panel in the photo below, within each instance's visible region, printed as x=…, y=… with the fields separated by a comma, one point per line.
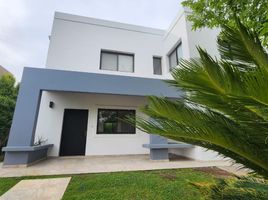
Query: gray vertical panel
x=24, y=119
x=159, y=154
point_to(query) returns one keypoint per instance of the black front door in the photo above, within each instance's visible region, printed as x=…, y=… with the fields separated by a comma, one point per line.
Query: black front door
x=74, y=132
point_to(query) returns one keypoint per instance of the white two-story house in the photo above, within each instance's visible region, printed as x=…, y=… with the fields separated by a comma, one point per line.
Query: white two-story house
x=97, y=72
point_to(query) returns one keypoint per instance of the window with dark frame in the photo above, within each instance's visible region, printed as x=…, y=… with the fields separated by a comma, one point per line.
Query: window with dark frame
x=111, y=121
x=115, y=61
x=157, y=64
x=175, y=56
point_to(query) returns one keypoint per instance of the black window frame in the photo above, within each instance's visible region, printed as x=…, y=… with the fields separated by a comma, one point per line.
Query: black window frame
x=115, y=110
x=117, y=53
x=161, y=69
x=174, y=50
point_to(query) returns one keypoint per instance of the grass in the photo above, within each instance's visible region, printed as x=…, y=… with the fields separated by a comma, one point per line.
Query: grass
x=149, y=185
x=7, y=183
x=159, y=184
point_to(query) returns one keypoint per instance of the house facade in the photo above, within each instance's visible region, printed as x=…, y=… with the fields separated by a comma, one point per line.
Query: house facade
x=98, y=72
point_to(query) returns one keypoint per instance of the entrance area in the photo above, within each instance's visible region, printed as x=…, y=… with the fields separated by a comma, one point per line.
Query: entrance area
x=74, y=132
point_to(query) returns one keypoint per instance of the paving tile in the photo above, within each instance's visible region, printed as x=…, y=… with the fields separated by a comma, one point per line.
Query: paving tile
x=38, y=189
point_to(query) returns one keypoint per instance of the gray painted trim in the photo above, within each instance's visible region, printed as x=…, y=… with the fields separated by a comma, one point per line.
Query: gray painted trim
x=24, y=158
x=36, y=80
x=27, y=148
x=71, y=81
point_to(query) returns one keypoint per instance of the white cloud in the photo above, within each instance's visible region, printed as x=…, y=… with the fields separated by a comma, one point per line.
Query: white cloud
x=26, y=24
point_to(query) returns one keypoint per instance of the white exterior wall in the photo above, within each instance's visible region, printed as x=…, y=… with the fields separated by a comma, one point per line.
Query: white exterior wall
x=50, y=120
x=204, y=38
x=197, y=153
x=180, y=31
x=174, y=35
x=76, y=43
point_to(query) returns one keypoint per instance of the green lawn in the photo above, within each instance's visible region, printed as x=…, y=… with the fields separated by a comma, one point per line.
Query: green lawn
x=159, y=184
x=162, y=184
x=6, y=183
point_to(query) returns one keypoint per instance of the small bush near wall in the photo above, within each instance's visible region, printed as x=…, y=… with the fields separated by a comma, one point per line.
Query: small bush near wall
x=8, y=96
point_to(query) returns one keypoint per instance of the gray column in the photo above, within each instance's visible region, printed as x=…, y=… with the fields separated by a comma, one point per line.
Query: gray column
x=25, y=116
x=23, y=126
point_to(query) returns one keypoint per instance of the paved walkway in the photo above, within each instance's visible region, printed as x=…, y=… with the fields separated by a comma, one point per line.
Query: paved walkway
x=98, y=164
x=38, y=189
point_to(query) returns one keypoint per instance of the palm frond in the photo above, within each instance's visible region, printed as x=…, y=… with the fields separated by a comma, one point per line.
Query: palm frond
x=242, y=46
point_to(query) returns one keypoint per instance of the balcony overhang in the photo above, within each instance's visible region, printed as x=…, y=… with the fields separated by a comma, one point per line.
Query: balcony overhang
x=72, y=81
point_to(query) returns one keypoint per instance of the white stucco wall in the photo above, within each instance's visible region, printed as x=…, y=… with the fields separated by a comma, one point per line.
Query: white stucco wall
x=197, y=153
x=49, y=124
x=50, y=121
x=176, y=33
x=205, y=38
x=76, y=43
x=181, y=31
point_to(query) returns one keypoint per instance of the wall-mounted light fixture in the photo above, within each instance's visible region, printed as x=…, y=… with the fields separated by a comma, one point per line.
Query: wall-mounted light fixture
x=51, y=104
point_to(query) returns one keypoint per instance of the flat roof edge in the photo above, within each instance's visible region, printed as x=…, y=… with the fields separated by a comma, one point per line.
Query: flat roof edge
x=107, y=23
x=184, y=11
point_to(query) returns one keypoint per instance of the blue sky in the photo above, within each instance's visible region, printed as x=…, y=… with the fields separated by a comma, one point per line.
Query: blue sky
x=26, y=24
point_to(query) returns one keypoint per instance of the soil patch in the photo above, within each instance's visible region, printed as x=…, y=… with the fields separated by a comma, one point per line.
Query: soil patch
x=219, y=173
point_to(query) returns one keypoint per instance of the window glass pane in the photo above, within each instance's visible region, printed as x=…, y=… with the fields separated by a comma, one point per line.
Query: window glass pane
x=112, y=122
x=179, y=52
x=172, y=60
x=107, y=121
x=157, y=66
x=125, y=127
x=125, y=63
x=109, y=61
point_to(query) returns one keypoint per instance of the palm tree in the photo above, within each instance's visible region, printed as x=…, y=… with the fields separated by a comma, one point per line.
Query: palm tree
x=225, y=103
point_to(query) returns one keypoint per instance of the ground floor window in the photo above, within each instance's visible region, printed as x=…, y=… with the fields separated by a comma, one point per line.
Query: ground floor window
x=110, y=121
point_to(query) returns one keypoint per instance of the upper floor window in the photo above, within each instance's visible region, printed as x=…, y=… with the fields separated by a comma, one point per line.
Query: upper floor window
x=115, y=61
x=175, y=56
x=111, y=121
x=157, y=64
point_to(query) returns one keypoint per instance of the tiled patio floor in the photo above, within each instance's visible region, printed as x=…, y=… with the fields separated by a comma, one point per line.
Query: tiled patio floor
x=98, y=164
